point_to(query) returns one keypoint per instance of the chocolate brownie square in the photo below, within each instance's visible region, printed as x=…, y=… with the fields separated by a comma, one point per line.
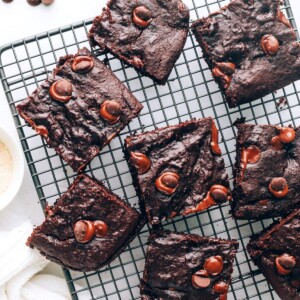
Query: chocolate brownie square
x=276, y=252
x=186, y=266
x=178, y=170
x=87, y=227
x=266, y=171
x=146, y=34
x=80, y=108
x=250, y=47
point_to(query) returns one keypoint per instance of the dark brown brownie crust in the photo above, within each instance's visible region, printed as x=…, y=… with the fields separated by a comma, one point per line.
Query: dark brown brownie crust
x=76, y=130
x=252, y=198
x=185, y=149
x=89, y=200
x=173, y=258
x=153, y=50
x=234, y=35
x=280, y=238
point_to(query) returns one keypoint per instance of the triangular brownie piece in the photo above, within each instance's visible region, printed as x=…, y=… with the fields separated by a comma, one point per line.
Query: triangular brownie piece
x=87, y=227
x=178, y=170
x=149, y=35
x=276, y=251
x=187, y=266
x=250, y=47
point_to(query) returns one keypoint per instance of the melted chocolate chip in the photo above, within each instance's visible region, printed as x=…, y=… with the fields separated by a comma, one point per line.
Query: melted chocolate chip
x=270, y=44
x=110, y=111
x=226, y=80
x=42, y=130
x=84, y=231
x=141, y=16
x=282, y=18
x=221, y=287
x=61, y=90
x=167, y=182
x=100, y=229
x=214, y=265
x=285, y=263
x=140, y=161
x=82, y=64
x=215, y=140
x=279, y=187
x=201, y=279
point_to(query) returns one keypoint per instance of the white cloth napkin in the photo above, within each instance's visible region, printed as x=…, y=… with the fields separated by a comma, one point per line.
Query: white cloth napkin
x=19, y=265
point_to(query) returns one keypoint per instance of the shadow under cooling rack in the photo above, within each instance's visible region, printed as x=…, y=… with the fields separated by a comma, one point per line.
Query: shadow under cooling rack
x=190, y=92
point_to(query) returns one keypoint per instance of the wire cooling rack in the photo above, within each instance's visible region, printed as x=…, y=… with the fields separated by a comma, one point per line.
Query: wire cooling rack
x=190, y=92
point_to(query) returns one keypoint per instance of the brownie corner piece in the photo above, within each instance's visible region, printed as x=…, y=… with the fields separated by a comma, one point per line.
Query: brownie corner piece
x=178, y=170
x=244, y=41
x=80, y=108
x=87, y=227
x=187, y=266
x=275, y=251
x=148, y=35
x=266, y=173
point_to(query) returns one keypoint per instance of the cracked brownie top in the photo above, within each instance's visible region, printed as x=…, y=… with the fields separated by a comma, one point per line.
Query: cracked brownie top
x=267, y=171
x=147, y=34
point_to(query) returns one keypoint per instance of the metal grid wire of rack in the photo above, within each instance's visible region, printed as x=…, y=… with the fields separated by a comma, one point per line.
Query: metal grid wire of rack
x=190, y=92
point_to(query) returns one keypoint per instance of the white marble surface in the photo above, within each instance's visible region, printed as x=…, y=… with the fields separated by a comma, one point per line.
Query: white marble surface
x=19, y=20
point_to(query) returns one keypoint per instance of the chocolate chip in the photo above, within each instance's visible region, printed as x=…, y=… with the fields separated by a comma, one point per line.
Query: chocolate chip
x=34, y=2
x=47, y=2
x=270, y=44
x=141, y=16
x=61, y=90
x=285, y=263
x=214, y=265
x=221, y=287
x=287, y=135
x=140, y=161
x=167, y=182
x=110, y=111
x=100, y=229
x=84, y=231
x=7, y=1
x=227, y=68
x=219, y=193
x=82, y=64
x=201, y=279
x=278, y=184
x=279, y=187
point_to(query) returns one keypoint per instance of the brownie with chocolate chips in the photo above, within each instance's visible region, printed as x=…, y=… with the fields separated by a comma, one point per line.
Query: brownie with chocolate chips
x=250, y=47
x=148, y=35
x=266, y=172
x=276, y=252
x=87, y=227
x=187, y=266
x=178, y=170
x=80, y=108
